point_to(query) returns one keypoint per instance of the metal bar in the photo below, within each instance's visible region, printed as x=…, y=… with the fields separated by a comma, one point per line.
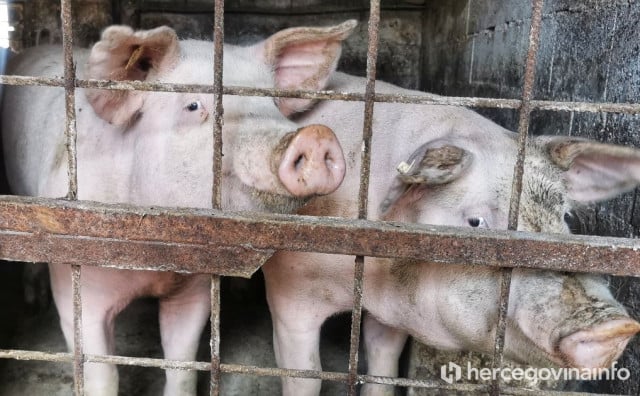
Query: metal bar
x=69, y=91
x=218, y=40
x=271, y=372
x=214, y=342
x=306, y=9
x=218, y=57
x=356, y=319
x=184, y=240
x=78, y=355
x=363, y=199
x=516, y=188
x=71, y=136
x=55, y=357
x=424, y=99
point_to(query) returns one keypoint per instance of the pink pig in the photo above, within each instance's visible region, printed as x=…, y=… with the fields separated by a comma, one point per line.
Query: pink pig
x=455, y=169
x=150, y=148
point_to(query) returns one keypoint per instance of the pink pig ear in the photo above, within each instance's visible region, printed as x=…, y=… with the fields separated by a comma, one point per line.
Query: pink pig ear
x=594, y=171
x=125, y=55
x=304, y=58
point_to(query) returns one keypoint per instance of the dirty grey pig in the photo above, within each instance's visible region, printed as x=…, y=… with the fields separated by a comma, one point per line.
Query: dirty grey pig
x=156, y=149
x=460, y=175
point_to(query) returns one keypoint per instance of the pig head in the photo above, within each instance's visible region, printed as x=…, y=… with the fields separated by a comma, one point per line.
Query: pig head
x=459, y=175
x=153, y=148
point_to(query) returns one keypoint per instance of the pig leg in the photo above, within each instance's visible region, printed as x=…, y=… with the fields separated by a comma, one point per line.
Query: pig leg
x=383, y=346
x=296, y=339
x=98, y=313
x=98, y=337
x=183, y=316
x=297, y=345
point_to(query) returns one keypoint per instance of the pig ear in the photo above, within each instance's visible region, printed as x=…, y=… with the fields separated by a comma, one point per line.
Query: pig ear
x=304, y=58
x=434, y=163
x=595, y=171
x=125, y=55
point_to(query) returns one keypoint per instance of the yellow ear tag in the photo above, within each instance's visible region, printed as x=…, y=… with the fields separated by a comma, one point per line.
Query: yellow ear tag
x=134, y=58
x=404, y=168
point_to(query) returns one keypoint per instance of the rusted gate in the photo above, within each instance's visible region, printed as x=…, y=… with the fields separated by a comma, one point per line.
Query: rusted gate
x=81, y=233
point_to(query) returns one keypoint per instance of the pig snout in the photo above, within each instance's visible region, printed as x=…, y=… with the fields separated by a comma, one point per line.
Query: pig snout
x=313, y=163
x=599, y=345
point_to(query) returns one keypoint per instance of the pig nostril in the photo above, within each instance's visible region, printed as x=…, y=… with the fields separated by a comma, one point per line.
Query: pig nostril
x=297, y=164
x=328, y=160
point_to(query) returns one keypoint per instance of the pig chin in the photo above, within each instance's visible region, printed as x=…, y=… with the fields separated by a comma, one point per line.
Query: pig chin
x=266, y=201
x=277, y=203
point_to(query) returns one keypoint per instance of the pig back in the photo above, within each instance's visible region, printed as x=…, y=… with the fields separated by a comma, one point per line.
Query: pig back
x=33, y=122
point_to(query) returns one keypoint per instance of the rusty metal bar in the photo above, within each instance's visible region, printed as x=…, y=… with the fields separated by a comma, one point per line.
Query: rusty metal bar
x=218, y=58
x=525, y=111
x=271, y=372
x=184, y=240
x=356, y=319
x=218, y=40
x=71, y=135
x=426, y=99
x=214, y=341
x=69, y=98
x=78, y=348
x=363, y=193
x=516, y=188
x=259, y=8
x=55, y=357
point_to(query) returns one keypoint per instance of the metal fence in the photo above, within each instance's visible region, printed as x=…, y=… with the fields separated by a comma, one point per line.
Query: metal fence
x=121, y=236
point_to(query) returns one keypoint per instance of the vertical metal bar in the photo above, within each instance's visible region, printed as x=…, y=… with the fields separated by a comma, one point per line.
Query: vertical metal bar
x=525, y=110
x=78, y=354
x=69, y=90
x=516, y=188
x=356, y=313
x=218, y=40
x=214, y=343
x=72, y=193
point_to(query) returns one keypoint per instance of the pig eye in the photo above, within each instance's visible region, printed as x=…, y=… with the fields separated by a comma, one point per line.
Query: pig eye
x=193, y=106
x=477, y=222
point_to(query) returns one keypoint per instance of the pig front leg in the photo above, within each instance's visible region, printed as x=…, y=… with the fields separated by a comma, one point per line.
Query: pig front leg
x=383, y=346
x=183, y=316
x=296, y=335
x=297, y=345
x=98, y=313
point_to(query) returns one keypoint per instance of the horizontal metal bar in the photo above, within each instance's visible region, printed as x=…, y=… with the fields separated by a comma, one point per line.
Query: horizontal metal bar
x=210, y=241
x=54, y=357
x=270, y=372
x=290, y=10
x=476, y=102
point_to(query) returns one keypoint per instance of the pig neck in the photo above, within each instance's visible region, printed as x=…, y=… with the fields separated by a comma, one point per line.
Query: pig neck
x=414, y=297
x=434, y=304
